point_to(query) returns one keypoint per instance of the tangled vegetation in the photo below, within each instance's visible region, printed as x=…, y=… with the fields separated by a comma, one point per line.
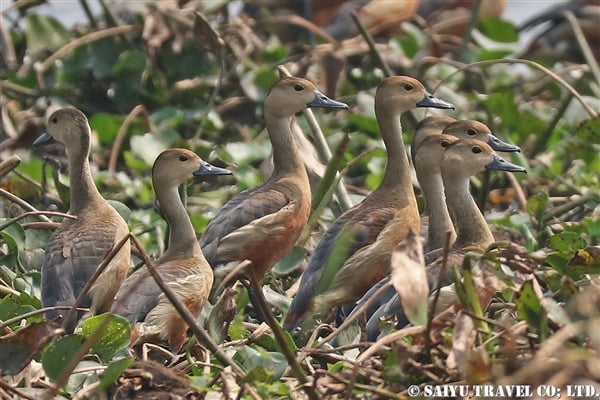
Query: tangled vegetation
x=160, y=76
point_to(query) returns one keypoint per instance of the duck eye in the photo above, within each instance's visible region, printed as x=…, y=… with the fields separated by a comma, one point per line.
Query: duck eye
x=298, y=88
x=182, y=158
x=408, y=86
x=444, y=143
x=476, y=150
x=471, y=132
x=54, y=120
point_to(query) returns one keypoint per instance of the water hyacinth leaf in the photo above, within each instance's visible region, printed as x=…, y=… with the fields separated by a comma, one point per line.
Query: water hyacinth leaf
x=59, y=354
x=567, y=242
x=537, y=205
x=115, y=337
x=114, y=370
x=499, y=30
x=410, y=279
x=106, y=126
x=18, y=348
x=528, y=305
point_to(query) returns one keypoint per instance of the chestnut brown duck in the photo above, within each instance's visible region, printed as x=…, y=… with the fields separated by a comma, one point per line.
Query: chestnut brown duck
x=427, y=168
x=262, y=224
x=78, y=246
x=183, y=267
x=359, y=243
x=461, y=159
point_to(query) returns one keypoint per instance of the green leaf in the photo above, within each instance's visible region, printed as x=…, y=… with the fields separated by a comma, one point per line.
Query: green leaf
x=44, y=32
x=59, y=354
x=114, y=370
x=291, y=262
x=567, y=242
x=107, y=126
x=528, y=305
x=537, y=205
x=116, y=335
x=499, y=30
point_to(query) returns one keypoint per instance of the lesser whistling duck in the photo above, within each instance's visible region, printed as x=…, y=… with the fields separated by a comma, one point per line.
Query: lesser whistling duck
x=78, y=246
x=183, y=266
x=437, y=124
x=461, y=159
x=429, y=175
x=262, y=224
x=370, y=229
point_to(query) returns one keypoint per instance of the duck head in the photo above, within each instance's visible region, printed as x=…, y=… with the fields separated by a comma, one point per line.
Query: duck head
x=480, y=131
x=174, y=167
x=469, y=156
x=292, y=94
x=68, y=126
x=402, y=93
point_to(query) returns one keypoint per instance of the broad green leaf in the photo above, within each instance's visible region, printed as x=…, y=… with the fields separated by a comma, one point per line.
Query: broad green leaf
x=60, y=353
x=107, y=126
x=44, y=32
x=291, y=262
x=529, y=307
x=566, y=242
x=116, y=335
x=114, y=370
x=499, y=30
x=537, y=205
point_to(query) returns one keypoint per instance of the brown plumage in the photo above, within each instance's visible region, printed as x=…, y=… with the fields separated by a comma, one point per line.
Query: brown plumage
x=358, y=244
x=183, y=266
x=78, y=246
x=262, y=224
x=427, y=167
x=459, y=160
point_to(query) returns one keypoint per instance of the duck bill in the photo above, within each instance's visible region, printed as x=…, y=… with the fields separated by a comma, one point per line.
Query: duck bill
x=431, y=101
x=323, y=101
x=43, y=139
x=207, y=169
x=499, y=145
x=499, y=163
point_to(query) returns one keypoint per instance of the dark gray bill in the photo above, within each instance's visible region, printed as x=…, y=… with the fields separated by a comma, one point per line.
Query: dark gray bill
x=501, y=164
x=430, y=100
x=43, y=139
x=323, y=101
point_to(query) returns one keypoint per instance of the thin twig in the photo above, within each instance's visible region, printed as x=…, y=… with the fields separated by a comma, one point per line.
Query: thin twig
x=583, y=44
x=35, y=213
x=460, y=54
x=69, y=47
x=552, y=75
x=25, y=205
x=437, y=294
x=4, y=385
x=9, y=164
x=113, y=252
x=33, y=313
x=197, y=330
x=356, y=313
x=280, y=336
x=386, y=69
x=114, y=152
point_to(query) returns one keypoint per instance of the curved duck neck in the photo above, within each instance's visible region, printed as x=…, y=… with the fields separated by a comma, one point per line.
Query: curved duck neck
x=83, y=190
x=471, y=226
x=286, y=157
x=396, y=178
x=182, y=237
x=440, y=222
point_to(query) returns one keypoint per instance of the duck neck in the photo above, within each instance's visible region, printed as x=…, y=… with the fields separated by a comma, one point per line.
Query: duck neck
x=396, y=178
x=83, y=190
x=286, y=157
x=440, y=223
x=471, y=226
x=182, y=237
